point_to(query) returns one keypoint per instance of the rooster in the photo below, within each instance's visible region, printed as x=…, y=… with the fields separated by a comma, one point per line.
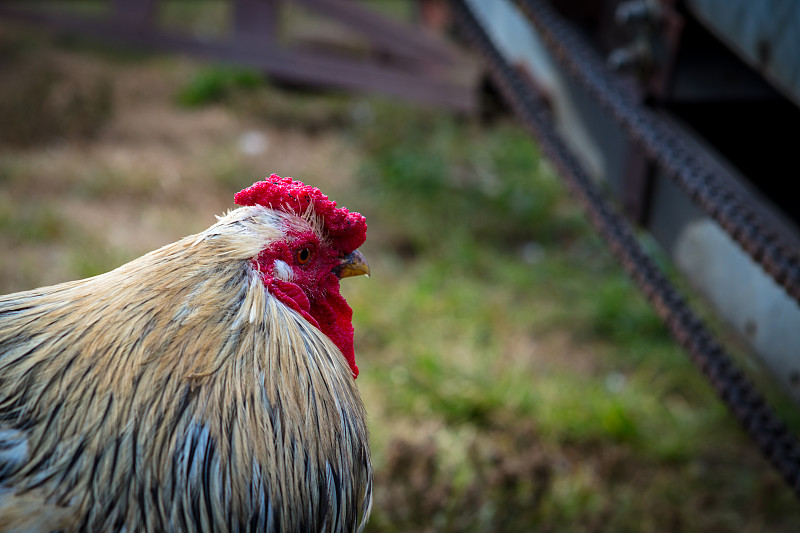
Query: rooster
x=205, y=386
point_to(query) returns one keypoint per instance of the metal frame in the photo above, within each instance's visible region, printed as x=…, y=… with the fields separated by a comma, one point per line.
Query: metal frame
x=564, y=56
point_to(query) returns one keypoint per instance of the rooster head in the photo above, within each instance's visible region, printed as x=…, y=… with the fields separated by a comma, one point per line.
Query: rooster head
x=318, y=247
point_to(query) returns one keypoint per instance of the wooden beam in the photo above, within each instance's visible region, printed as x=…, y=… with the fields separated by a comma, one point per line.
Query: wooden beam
x=139, y=13
x=441, y=87
x=257, y=19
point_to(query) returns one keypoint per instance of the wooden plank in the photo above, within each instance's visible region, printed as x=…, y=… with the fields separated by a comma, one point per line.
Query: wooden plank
x=257, y=19
x=442, y=87
x=401, y=40
x=138, y=13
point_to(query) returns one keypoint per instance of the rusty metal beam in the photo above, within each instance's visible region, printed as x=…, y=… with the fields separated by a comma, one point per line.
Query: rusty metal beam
x=637, y=184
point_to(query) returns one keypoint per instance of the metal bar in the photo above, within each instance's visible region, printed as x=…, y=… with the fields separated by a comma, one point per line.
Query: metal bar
x=708, y=190
x=637, y=185
x=745, y=403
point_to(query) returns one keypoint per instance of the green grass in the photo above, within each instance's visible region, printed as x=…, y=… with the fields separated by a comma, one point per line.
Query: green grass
x=38, y=224
x=454, y=340
x=515, y=378
x=202, y=18
x=215, y=84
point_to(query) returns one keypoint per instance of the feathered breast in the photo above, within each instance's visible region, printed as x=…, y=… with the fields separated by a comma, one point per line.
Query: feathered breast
x=176, y=393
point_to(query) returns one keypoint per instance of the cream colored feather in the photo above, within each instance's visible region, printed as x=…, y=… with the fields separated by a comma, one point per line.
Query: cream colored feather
x=176, y=393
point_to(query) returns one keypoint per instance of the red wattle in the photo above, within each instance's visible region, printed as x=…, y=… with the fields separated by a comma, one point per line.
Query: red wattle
x=293, y=296
x=335, y=319
x=331, y=315
x=321, y=302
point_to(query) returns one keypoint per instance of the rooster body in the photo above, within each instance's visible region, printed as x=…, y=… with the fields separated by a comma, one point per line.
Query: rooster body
x=202, y=387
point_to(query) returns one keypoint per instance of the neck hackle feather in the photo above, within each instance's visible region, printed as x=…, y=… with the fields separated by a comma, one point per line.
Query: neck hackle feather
x=177, y=393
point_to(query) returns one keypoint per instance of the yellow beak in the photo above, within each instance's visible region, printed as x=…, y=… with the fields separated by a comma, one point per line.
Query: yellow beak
x=353, y=264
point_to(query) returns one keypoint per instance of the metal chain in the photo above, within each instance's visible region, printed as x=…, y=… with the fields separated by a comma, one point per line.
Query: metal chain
x=746, y=404
x=662, y=143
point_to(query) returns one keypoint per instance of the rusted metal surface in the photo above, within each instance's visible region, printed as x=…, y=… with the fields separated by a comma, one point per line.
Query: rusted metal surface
x=637, y=185
x=770, y=434
x=755, y=235
x=765, y=33
x=744, y=283
x=404, y=61
x=759, y=311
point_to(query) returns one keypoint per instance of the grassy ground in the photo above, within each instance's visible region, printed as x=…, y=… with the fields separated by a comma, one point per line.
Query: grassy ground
x=514, y=378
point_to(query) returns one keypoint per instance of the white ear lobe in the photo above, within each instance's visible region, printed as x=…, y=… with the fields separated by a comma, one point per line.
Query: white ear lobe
x=281, y=271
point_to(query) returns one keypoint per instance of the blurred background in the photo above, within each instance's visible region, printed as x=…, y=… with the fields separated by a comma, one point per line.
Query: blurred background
x=515, y=379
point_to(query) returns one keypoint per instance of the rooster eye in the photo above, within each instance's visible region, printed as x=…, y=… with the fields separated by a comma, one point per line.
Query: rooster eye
x=303, y=255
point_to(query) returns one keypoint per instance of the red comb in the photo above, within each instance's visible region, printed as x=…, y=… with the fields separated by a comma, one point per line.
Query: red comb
x=348, y=229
